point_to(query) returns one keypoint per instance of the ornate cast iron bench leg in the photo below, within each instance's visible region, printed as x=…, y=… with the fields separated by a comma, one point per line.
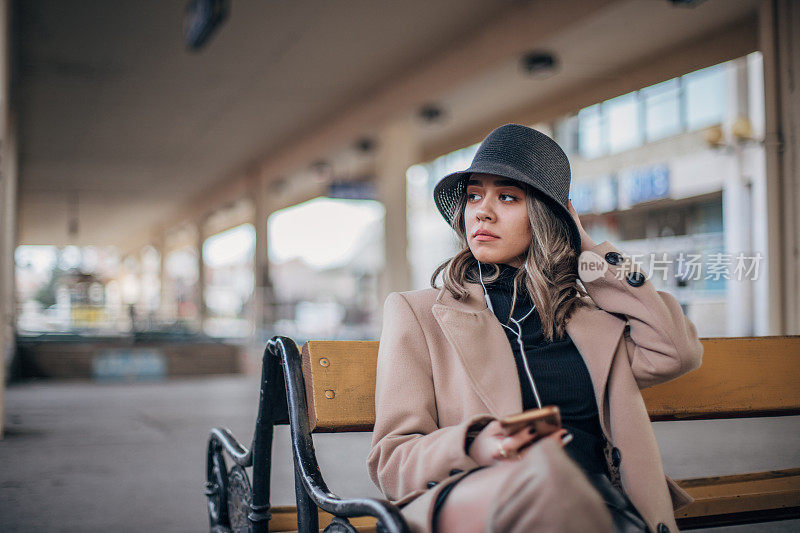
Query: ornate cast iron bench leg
x=233, y=506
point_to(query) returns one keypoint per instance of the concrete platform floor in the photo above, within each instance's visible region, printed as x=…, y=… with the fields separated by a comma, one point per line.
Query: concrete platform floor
x=86, y=457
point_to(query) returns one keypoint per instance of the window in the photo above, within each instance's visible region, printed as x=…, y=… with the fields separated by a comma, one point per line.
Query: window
x=687, y=103
x=706, y=96
x=624, y=130
x=662, y=109
x=566, y=134
x=590, y=132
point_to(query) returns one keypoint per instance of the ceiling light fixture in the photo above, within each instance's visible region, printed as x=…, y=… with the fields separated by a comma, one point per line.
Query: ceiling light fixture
x=539, y=64
x=431, y=113
x=365, y=144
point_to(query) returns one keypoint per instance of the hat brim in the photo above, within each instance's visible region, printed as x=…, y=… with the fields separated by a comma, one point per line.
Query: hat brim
x=448, y=192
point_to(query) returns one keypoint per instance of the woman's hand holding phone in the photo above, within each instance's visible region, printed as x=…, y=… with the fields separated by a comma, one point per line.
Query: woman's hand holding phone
x=485, y=449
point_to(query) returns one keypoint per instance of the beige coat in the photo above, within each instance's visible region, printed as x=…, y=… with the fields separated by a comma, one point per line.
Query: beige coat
x=444, y=364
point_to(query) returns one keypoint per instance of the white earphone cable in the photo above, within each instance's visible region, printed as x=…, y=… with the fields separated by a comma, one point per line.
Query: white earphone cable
x=518, y=333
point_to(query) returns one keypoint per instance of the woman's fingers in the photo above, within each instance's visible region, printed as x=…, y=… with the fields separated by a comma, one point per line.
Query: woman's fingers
x=508, y=445
x=512, y=443
x=562, y=436
x=512, y=447
x=574, y=214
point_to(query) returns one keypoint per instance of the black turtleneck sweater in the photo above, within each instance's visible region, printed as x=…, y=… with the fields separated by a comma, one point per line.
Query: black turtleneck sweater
x=558, y=370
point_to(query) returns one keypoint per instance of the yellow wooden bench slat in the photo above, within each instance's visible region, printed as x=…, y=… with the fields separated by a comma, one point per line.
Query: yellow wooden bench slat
x=284, y=519
x=360, y=529
x=740, y=493
x=717, y=495
x=340, y=384
x=740, y=376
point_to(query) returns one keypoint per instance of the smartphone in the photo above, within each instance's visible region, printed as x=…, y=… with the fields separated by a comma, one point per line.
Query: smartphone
x=545, y=420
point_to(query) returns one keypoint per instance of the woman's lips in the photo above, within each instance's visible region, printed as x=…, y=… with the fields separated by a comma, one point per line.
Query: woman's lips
x=484, y=237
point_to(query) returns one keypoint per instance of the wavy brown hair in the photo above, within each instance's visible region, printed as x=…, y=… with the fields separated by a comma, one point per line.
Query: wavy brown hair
x=549, y=266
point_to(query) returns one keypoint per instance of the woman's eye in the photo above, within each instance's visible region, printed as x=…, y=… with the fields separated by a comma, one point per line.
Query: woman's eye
x=513, y=198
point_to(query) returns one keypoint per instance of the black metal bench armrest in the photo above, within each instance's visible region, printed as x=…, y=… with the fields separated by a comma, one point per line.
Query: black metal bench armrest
x=310, y=489
x=223, y=438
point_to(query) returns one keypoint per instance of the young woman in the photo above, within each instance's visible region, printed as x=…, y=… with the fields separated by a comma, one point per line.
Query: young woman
x=511, y=329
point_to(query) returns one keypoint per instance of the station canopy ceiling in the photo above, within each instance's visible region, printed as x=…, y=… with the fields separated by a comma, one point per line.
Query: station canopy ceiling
x=119, y=123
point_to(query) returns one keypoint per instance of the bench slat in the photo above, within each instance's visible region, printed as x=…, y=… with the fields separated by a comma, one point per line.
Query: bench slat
x=340, y=384
x=733, y=499
x=284, y=519
x=742, y=493
x=741, y=498
x=739, y=377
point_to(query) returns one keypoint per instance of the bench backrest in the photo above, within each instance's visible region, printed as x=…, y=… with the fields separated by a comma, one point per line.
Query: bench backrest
x=740, y=376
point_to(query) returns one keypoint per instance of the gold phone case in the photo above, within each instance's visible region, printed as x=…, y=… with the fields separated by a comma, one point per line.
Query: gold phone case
x=545, y=420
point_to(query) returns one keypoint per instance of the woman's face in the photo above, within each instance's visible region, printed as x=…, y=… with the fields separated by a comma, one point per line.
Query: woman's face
x=496, y=205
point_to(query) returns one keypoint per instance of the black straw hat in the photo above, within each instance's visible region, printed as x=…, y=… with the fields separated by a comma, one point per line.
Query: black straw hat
x=520, y=153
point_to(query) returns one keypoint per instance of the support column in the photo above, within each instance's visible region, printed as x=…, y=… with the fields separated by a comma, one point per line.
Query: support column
x=263, y=293
x=200, y=287
x=165, y=301
x=398, y=149
x=779, y=36
x=737, y=211
x=8, y=210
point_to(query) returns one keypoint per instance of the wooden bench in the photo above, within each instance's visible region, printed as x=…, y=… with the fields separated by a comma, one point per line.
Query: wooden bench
x=328, y=387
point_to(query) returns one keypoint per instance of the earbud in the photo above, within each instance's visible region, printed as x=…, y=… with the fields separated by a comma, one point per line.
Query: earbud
x=488, y=302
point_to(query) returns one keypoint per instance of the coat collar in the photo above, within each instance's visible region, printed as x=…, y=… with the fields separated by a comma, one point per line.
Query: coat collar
x=480, y=342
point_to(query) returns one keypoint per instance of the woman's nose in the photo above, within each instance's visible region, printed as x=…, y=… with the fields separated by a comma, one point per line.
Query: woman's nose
x=484, y=214
x=483, y=211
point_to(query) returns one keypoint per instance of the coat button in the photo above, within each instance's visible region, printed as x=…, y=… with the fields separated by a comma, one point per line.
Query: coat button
x=635, y=279
x=455, y=471
x=614, y=258
x=431, y=484
x=662, y=528
x=616, y=457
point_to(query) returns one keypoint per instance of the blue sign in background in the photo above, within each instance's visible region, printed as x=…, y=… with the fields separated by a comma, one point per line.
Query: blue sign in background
x=647, y=183
x=582, y=197
x=352, y=190
x=598, y=195
x=125, y=364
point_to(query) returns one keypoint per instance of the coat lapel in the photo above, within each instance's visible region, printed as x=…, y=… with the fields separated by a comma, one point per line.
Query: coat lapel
x=483, y=348
x=478, y=338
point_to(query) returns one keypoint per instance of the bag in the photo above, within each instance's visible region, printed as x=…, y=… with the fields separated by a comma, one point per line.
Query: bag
x=625, y=516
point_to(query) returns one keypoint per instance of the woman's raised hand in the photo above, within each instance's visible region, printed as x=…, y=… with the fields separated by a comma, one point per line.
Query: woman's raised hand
x=486, y=448
x=586, y=241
